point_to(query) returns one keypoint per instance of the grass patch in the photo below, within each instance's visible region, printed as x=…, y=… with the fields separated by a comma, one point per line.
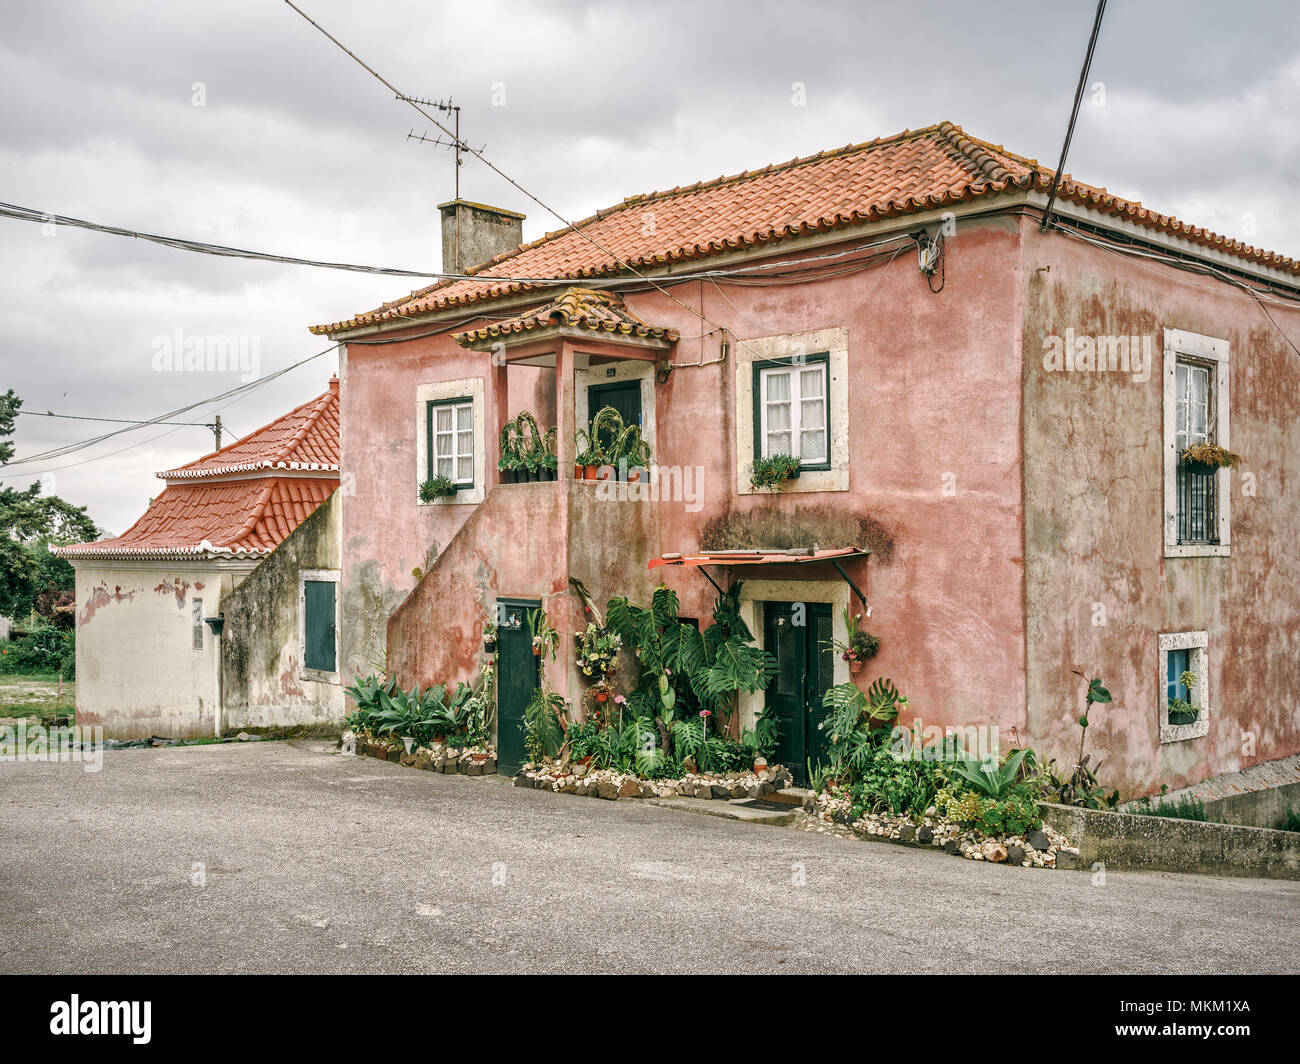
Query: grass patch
x=1185, y=808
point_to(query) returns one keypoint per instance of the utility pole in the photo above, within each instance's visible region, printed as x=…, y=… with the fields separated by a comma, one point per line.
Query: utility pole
x=216, y=431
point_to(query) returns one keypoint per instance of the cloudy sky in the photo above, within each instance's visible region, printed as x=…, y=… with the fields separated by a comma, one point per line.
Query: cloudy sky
x=296, y=150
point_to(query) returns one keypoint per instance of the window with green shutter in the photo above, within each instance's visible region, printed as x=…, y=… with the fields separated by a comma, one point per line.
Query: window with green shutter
x=450, y=429
x=792, y=409
x=319, y=629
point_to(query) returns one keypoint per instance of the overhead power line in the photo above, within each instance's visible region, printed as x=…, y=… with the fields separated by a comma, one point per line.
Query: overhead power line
x=411, y=101
x=1074, y=112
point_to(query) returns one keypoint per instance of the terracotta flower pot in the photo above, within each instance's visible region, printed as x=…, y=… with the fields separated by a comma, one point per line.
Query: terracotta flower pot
x=855, y=667
x=591, y=472
x=579, y=472
x=602, y=696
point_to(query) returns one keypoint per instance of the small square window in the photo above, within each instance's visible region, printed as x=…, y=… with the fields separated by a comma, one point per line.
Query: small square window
x=1184, y=705
x=196, y=623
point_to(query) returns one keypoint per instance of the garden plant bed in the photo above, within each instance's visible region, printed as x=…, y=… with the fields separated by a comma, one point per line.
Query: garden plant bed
x=587, y=782
x=438, y=757
x=1042, y=848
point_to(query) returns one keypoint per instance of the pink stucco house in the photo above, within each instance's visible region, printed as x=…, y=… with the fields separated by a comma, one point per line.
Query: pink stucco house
x=989, y=415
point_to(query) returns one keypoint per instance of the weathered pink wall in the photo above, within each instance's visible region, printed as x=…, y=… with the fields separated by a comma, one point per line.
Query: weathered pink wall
x=1094, y=505
x=934, y=400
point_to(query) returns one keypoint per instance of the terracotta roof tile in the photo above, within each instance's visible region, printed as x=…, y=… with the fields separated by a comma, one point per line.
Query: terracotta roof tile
x=578, y=308
x=214, y=505
x=240, y=517
x=305, y=438
x=913, y=171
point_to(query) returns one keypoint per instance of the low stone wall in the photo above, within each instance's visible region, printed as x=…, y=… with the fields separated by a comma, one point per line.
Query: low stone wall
x=1163, y=844
x=437, y=758
x=587, y=782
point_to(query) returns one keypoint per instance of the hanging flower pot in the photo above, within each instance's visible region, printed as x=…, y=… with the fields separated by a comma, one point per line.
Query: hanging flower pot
x=489, y=646
x=855, y=667
x=602, y=696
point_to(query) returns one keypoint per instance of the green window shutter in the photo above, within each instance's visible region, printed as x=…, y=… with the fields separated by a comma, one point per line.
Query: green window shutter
x=319, y=627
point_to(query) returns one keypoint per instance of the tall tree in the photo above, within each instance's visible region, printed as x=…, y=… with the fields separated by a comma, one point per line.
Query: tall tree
x=29, y=523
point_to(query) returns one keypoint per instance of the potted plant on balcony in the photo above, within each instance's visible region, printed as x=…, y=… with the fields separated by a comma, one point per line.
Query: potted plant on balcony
x=549, y=462
x=608, y=422
x=631, y=454
x=439, y=487
x=773, y=471
x=1206, y=458
x=510, y=462
x=583, y=454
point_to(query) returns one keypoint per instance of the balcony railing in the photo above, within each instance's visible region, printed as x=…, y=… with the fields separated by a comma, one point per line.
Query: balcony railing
x=1198, y=512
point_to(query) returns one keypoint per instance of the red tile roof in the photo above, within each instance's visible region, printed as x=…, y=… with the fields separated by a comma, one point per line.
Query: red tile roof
x=578, y=308
x=912, y=171
x=215, y=507
x=238, y=517
x=305, y=438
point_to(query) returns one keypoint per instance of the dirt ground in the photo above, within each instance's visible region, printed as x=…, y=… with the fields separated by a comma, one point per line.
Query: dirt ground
x=22, y=698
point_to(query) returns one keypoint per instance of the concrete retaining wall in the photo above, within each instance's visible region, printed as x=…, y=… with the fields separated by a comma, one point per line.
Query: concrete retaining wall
x=1162, y=844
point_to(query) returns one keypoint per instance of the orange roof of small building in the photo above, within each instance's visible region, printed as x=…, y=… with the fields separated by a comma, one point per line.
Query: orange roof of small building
x=305, y=438
x=240, y=501
x=231, y=517
x=578, y=308
x=917, y=170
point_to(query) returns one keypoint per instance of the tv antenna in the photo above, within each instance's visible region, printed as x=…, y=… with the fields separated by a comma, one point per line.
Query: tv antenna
x=456, y=145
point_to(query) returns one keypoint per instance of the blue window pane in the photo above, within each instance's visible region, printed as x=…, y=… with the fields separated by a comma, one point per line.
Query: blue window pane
x=1180, y=661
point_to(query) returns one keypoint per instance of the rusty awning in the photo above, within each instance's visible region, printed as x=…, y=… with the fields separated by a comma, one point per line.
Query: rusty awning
x=793, y=556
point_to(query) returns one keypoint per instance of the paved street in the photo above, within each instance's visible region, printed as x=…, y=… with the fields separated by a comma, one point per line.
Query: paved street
x=319, y=863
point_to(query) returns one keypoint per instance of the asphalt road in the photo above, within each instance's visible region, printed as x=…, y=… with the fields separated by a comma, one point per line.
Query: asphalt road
x=312, y=862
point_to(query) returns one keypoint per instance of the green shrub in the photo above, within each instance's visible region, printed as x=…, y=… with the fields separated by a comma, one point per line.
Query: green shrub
x=45, y=650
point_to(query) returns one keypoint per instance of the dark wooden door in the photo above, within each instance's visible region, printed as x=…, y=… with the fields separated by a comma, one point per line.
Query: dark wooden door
x=797, y=635
x=625, y=397
x=517, y=679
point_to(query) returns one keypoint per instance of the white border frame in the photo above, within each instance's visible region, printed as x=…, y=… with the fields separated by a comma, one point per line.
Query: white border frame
x=1198, y=642
x=326, y=576
x=1210, y=350
x=433, y=392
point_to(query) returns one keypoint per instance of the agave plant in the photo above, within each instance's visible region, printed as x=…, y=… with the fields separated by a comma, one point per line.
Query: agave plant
x=987, y=777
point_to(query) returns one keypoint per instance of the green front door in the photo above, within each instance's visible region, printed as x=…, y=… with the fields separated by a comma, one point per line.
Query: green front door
x=798, y=635
x=517, y=679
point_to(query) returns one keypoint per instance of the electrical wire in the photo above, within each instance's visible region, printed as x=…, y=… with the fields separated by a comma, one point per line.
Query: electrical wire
x=1074, y=112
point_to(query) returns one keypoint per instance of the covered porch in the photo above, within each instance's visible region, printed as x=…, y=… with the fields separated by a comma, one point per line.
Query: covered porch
x=594, y=344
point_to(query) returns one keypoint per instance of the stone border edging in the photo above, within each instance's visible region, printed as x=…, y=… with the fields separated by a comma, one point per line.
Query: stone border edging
x=1163, y=844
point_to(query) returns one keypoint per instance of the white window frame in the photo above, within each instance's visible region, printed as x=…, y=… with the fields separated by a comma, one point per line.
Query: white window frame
x=1181, y=346
x=473, y=389
x=1198, y=643
x=794, y=371
x=329, y=576
x=834, y=342
x=434, y=435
